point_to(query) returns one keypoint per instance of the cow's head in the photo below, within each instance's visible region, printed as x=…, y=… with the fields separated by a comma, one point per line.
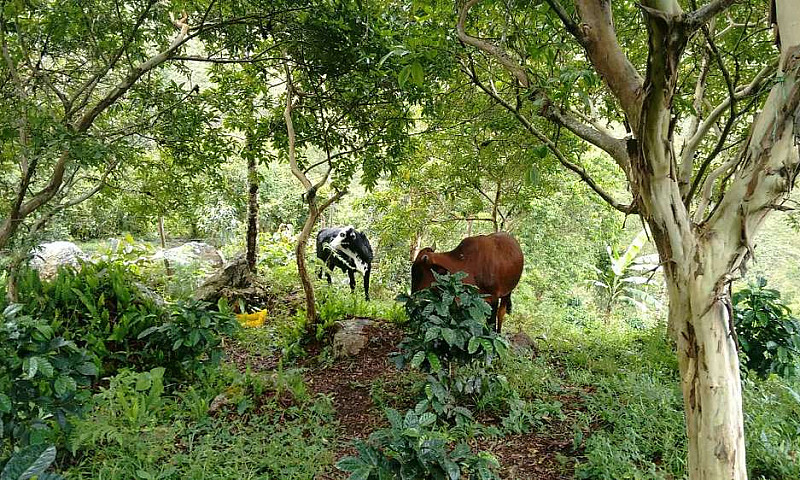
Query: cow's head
x=345, y=239
x=422, y=269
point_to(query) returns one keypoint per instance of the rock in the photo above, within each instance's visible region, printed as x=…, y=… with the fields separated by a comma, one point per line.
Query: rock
x=520, y=341
x=350, y=338
x=144, y=291
x=235, y=276
x=47, y=257
x=219, y=401
x=191, y=253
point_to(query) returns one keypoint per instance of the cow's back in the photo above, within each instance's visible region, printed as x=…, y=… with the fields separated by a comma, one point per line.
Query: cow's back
x=494, y=262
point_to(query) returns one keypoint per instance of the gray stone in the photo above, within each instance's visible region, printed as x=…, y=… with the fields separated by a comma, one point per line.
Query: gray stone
x=350, y=338
x=236, y=275
x=521, y=341
x=191, y=253
x=47, y=257
x=219, y=401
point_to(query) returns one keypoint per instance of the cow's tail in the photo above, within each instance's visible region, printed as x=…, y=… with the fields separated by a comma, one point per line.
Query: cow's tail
x=508, y=303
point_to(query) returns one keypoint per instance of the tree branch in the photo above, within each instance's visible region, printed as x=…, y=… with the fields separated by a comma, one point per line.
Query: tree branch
x=567, y=20
x=702, y=15
x=287, y=116
x=753, y=87
x=88, y=118
x=493, y=50
x=627, y=209
x=603, y=49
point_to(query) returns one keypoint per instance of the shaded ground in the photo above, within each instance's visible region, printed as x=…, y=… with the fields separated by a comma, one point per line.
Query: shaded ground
x=349, y=380
x=351, y=384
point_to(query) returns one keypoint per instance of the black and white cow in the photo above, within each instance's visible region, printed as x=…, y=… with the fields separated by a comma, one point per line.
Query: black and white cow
x=348, y=249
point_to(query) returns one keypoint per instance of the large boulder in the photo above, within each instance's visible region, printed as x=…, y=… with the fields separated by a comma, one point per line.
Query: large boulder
x=236, y=276
x=192, y=253
x=351, y=337
x=47, y=257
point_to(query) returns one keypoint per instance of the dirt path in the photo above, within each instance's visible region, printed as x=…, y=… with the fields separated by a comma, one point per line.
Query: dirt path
x=350, y=382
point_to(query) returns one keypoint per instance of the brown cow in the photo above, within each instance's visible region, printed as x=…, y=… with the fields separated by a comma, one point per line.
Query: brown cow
x=493, y=263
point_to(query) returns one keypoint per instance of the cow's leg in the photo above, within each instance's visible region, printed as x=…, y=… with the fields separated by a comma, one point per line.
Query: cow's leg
x=505, y=307
x=366, y=284
x=494, y=302
x=352, y=275
x=330, y=265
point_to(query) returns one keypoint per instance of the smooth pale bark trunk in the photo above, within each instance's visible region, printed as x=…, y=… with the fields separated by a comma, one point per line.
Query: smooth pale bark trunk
x=699, y=315
x=252, y=213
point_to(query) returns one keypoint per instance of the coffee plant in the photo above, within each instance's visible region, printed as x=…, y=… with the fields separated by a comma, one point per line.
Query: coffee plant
x=446, y=330
x=31, y=462
x=413, y=449
x=190, y=340
x=769, y=335
x=447, y=323
x=43, y=378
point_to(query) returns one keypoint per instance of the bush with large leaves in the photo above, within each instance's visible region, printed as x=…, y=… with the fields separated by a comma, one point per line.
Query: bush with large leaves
x=89, y=321
x=447, y=323
x=412, y=448
x=31, y=462
x=43, y=378
x=769, y=335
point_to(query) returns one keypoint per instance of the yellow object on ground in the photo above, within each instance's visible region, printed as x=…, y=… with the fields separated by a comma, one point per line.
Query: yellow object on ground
x=252, y=319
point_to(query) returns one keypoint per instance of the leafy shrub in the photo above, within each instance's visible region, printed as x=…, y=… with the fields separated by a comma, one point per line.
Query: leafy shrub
x=137, y=431
x=99, y=307
x=43, y=378
x=768, y=333
x=412, y=449
x=190, y=340
x=31, y=461
x=103, y=308
x=447, y=323
x=132, y=400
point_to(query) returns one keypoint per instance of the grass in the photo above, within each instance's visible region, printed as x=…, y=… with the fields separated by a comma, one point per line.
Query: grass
x=257, y=434
x=615, y=387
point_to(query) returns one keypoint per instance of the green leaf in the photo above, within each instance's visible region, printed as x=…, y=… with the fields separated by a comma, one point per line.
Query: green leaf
x=402, y=78
x=432, y=333
x=452, y=469
x=417, y=73
x=45, y=367
x=434, y=361
x=5, y=404
x=349, y=464
x=417, y=359
x=143, y=382
x=394, y=417
x=88, y=368
x=449, y=336
x=426, y=419
x=64, y=384
x=361, y=473
x=30, y=366
x=28, y=462
x=474, y=344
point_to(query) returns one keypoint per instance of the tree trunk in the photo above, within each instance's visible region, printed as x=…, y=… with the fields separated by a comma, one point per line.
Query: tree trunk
x=163, y=238
x=300, y=255
x=700, y=316
x=252, y=212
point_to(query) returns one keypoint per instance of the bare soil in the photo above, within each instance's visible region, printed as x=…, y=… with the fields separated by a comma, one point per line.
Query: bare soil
x=546, y=454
